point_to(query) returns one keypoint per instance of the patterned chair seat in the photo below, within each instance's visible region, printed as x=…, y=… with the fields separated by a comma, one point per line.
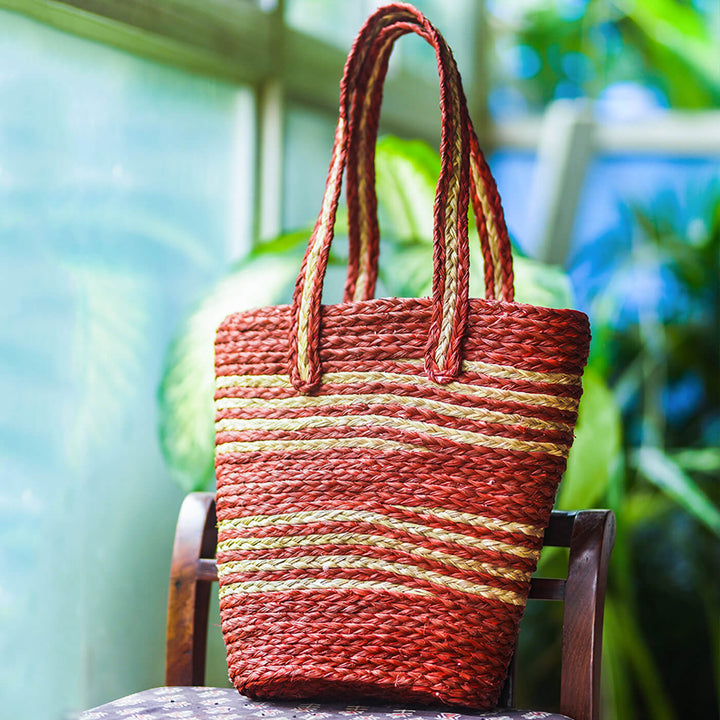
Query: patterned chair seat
x=202, y=703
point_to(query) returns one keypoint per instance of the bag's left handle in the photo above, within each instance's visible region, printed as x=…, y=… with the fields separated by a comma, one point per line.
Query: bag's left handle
x=443, y=353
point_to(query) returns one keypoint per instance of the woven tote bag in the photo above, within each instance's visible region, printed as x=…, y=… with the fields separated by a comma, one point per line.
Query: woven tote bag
x=386, y=467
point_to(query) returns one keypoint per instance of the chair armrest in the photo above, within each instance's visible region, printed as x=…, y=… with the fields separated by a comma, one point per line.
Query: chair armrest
x=593, y=536
x=189, y=593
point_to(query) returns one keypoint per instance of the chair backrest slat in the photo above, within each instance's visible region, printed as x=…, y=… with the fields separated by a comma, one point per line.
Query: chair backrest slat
x=547, y=589
x=560, y=529
x=207, y=570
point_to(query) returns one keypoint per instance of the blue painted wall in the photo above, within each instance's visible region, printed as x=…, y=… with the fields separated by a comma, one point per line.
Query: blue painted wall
x=122, y=189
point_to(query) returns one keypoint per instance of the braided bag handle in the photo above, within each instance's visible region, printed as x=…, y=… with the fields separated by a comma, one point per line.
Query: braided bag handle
x=450, y=298
x=365, y=72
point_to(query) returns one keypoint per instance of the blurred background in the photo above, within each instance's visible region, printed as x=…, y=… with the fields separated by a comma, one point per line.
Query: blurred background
x=160, y=163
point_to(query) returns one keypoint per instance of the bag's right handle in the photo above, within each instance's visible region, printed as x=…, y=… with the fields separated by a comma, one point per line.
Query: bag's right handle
x=364, y=76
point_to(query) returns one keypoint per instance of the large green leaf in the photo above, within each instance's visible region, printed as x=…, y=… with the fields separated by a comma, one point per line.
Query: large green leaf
x=681, y=46
x=406, y=174
x=186, y=392
x=539, y=284
x=596, y=454
x=665, y=473
x=628, y=661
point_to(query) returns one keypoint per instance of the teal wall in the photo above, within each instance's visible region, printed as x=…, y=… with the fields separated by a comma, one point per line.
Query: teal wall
x=123, y=194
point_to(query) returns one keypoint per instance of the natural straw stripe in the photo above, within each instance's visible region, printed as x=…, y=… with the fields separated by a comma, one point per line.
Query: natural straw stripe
x=380, y=444
x=357, y=562
x=440, y=408
x=493, y=238
x=309, y=517
x=253, y=381
x=362, y=178
x=503, y=372
x=376, y=541
x=313, y=584
x=466, y=518
x=311, y=267
x=403, y=380
x=508, y=372
x=439, y=432
x=452, y=262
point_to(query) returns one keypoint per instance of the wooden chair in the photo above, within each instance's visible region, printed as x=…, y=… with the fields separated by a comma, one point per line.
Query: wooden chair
x=589, y=535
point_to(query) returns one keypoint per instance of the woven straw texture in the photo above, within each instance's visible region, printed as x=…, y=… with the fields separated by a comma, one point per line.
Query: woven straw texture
x=386, y=467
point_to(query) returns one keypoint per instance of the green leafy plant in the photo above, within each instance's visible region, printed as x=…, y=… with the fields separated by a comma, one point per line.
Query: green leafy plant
x=652, y=456
x=657, y=322
x=581, y=49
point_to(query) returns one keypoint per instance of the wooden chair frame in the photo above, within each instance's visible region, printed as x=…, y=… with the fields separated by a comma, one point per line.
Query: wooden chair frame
x=589, y=534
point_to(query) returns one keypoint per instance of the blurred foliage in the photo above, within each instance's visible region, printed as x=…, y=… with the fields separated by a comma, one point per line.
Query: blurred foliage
x=657, y=341
x=653, y=456
x=653, y=292
x=632, y=55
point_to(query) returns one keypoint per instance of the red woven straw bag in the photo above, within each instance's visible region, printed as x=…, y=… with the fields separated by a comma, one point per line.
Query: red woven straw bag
x=386, y=467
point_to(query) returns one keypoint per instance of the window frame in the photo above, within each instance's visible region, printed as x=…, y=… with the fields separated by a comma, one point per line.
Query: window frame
x=239, y=42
